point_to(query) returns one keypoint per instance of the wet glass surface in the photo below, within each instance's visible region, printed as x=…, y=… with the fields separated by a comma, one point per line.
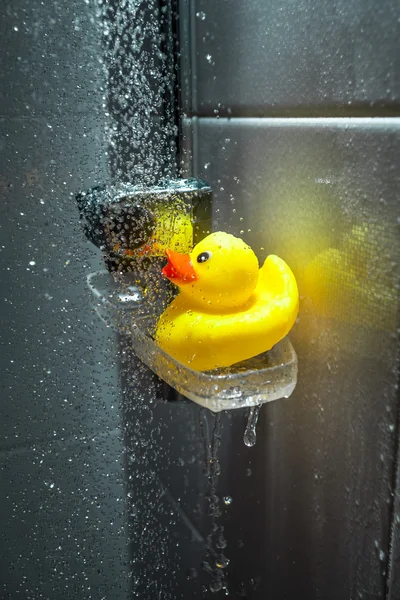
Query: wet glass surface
x=112, y=484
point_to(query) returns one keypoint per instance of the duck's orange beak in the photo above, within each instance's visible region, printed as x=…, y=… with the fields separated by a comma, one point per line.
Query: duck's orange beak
x=180, y=268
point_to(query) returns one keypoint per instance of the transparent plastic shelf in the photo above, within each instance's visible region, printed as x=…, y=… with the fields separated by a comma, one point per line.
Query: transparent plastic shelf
x=123, y=304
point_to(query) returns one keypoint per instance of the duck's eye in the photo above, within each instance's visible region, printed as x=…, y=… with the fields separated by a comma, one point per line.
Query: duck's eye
x=203, y=257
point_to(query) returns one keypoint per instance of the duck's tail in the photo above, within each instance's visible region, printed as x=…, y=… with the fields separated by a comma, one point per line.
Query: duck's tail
x=276, y=278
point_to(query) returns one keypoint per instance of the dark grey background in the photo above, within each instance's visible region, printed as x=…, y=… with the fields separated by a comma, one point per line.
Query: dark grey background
x=280, y=57
x=62, y=487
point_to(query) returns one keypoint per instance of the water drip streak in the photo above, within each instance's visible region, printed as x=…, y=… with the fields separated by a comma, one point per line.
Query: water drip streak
x=250, y=434
x=206, y=439
x=214, y=562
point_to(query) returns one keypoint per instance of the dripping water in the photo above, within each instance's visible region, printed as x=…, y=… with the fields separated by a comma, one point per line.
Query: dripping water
x=215, y=560
x=250, y=434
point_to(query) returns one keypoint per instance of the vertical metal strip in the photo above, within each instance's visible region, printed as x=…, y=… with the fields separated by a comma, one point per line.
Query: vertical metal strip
x=141, y=60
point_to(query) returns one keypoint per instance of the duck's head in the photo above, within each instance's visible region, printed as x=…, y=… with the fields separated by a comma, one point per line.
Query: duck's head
x=220, y=272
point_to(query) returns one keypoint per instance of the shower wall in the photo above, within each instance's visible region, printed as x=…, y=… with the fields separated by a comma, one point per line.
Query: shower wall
x=62, y=526
x=292, y=114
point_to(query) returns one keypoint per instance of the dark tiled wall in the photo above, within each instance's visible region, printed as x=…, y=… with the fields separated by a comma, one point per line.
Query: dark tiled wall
x=311, y=58
x=279, y=99
x=62, y=494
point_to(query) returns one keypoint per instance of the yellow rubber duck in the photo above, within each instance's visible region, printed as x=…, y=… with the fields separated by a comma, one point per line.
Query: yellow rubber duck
x=228, y=309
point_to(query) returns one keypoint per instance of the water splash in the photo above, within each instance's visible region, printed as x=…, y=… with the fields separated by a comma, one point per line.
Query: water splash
x=250, y=434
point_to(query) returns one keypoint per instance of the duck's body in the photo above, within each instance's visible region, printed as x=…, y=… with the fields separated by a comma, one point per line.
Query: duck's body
x=204, y=334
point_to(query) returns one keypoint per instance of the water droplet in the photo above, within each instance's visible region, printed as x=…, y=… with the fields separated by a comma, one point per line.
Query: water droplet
x=201, y=15
x=250, y=435
x=227, y=500
x=32, y=263
x=215, y=586
x=208, y=58
x=222, y=562
x=221, y=542
x=192, y=573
